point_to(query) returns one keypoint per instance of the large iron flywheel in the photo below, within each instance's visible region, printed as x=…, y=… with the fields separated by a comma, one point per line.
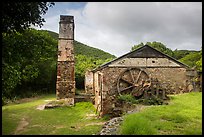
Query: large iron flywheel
x=131, y=80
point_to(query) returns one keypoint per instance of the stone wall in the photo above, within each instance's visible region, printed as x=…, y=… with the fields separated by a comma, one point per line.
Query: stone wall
x=109, y=90
x=97, y=83
x=65, y=84
x=89, y=88
x=173, y=79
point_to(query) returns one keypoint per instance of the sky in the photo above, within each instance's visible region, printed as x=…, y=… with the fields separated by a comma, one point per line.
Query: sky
x=115, y=27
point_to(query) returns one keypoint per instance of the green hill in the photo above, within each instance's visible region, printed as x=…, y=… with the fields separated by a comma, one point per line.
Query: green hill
x=86, y=50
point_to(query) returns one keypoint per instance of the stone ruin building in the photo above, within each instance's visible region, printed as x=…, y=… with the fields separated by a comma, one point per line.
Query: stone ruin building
x=131, y=72
x=128, y=72
x=65, y=84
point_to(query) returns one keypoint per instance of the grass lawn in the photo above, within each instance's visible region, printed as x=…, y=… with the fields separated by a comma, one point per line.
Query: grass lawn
x=183, y=116
x=24, y=119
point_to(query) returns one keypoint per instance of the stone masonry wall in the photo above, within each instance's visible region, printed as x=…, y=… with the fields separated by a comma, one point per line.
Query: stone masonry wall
x=173, y=78
x=109, y=92
x=65, y=85
x=89, y=88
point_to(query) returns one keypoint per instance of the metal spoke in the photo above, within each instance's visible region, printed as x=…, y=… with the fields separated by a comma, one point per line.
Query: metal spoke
x=132, y=76
x=138, y=76
x=126, y=81
x=126, y=88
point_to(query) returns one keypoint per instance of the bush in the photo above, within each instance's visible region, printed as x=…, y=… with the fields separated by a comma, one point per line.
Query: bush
x=131, y=99
x=3, y=101
x=127, y=98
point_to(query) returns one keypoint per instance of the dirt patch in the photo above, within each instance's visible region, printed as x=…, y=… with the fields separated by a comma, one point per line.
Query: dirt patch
x=91, y=116
x=26, y=100
x=99, y=123
x=21, y=126
x=136, y=108
x=41, y=107
x=59, y=126
x=36, y=126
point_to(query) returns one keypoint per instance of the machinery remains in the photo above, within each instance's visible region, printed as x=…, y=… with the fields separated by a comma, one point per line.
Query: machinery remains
x=136, y=82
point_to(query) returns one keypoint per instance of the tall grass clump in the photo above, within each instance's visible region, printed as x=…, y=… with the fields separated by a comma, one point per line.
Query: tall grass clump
x=183, y=116
x=137, y=126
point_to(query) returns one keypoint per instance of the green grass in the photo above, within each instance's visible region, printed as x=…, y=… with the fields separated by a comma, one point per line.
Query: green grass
x=58, y=121
x=183, y=116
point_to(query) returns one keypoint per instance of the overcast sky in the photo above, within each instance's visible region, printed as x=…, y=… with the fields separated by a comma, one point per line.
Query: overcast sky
x=116, y=26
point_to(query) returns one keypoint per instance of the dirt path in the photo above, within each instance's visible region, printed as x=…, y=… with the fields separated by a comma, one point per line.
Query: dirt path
x=21, y=126
x=94, y=123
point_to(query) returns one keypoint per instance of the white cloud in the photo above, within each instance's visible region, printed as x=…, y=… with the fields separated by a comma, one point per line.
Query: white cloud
x=116, y=27
x=52, y=23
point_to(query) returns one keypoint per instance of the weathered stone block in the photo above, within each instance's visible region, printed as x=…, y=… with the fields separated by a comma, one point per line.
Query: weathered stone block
x=65, y=50
x=65, y=89
x=66, y=27
x=65, y=71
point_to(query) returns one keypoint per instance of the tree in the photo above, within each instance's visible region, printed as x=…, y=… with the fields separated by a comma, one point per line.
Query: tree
x=193, y=60
x=84, y=63
x=199, y=64
x=178, y=54
x=22, y=48
x=17, y=16
x=28, y=57
x=137, y=46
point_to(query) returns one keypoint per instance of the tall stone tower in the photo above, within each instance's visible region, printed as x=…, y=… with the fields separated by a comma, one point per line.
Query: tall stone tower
x=65, y=85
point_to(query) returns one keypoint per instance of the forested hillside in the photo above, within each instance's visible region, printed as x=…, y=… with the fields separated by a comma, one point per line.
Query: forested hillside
x=80, y=48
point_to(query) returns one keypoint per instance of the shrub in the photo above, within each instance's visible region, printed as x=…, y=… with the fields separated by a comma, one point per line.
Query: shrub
x=127, y=98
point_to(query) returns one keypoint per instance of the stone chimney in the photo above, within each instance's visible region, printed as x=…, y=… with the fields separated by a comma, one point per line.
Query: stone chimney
x=65, y=85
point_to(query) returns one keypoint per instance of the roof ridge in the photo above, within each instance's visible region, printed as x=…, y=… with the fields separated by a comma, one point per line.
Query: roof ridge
x=129, y=53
